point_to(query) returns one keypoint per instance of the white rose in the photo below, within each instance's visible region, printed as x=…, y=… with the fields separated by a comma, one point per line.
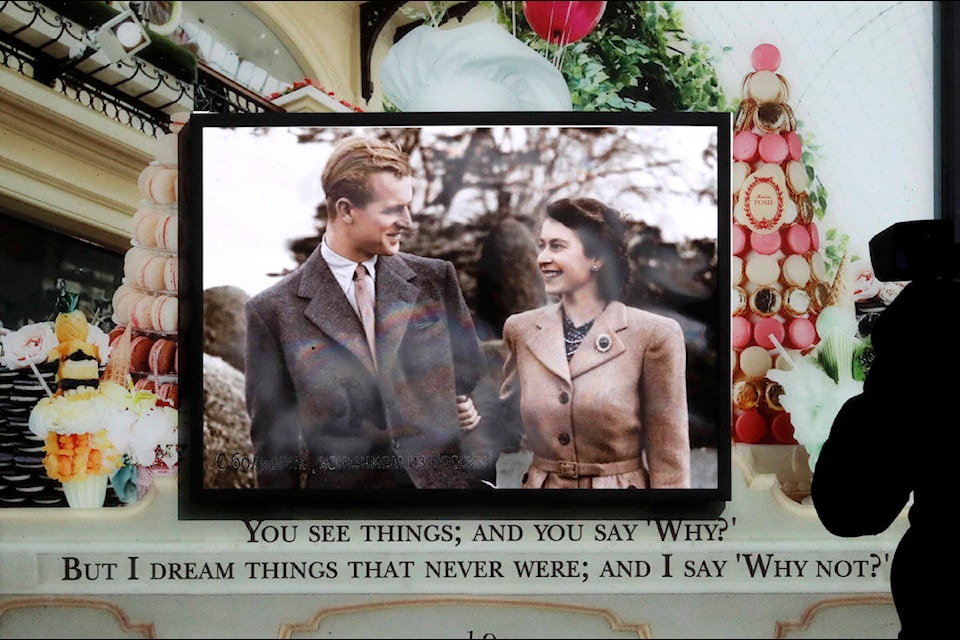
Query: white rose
x=29, y=344
x=97, y=337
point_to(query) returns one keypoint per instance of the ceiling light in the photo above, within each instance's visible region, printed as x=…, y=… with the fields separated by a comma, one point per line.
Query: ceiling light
x=120, y=37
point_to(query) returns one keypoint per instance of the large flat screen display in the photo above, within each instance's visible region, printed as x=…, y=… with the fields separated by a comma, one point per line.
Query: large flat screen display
x=551, y=314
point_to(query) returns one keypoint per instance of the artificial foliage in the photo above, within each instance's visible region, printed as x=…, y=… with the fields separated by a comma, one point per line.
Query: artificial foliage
x=638, y=58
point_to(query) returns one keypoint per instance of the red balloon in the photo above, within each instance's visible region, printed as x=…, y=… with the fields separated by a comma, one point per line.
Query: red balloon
x=563, y=22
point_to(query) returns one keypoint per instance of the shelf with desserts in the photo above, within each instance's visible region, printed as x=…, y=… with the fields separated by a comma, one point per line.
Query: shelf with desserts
x=151, y=290
x=145, y=310
x=154, y=362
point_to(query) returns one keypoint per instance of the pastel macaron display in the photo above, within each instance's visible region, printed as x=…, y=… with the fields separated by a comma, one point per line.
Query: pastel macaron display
x=780, y=281
x=147, y=303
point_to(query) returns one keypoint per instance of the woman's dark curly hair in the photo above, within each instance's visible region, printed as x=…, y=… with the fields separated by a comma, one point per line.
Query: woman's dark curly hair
x=602, y=230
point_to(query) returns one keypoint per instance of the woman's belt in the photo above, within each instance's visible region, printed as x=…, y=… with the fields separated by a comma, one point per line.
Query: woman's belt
x=571, y=469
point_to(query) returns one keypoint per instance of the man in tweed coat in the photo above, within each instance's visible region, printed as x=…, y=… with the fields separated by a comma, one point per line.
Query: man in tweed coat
x=326, y=409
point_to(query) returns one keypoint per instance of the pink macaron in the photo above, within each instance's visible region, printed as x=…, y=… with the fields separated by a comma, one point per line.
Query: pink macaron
x=765, y=330
x=772, y=148
x=794, y=145
x=133, y=261
x=814, y=232
x=765, y=243
x=738, y=239
x=745, y=145
x=765, y=57
x=742, y=332
x=796, y=239
x=801, y=333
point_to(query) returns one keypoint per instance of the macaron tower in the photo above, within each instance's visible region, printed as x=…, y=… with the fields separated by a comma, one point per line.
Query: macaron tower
x=147, y=301
x=780, y=279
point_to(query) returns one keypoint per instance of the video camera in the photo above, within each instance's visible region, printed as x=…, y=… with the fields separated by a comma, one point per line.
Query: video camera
x=915, y=249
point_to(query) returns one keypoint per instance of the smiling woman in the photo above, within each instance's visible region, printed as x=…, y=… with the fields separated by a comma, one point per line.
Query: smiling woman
x=620, y=420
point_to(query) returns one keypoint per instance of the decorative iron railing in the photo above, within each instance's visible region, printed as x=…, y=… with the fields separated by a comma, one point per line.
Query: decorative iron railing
x=217, y=93
x=48, y=48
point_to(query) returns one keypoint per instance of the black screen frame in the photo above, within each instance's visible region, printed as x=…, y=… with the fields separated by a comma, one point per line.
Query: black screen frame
x=198, y=502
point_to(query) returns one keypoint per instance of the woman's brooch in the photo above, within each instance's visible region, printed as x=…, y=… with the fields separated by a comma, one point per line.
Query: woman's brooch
x=603, y=343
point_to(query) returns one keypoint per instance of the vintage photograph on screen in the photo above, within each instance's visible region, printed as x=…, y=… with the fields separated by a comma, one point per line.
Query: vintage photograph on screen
x=449, y=311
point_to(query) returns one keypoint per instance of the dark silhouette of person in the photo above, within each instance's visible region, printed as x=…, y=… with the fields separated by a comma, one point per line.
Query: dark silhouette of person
x=893, y=440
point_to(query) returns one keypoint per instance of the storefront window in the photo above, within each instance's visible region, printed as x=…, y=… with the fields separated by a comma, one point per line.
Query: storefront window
x=33, y=259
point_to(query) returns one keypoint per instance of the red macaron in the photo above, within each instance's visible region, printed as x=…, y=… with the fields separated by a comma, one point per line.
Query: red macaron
x=168, y=395
x=140, y=348
x=162, y=356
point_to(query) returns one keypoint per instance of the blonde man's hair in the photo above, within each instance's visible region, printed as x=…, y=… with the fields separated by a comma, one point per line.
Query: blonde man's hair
x=353, y=161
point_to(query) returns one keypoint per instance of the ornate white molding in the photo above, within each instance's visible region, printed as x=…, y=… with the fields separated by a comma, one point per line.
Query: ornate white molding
x=67, y=166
